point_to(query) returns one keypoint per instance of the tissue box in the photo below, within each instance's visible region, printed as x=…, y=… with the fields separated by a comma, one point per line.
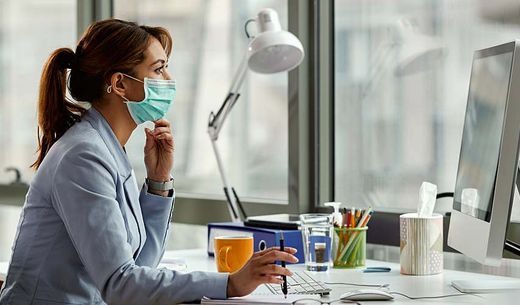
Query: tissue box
x=421, y=244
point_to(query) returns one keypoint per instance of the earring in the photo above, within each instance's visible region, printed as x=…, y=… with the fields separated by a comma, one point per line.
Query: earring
x=109, y=89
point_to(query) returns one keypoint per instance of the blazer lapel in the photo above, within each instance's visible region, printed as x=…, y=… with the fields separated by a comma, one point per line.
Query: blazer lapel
x=124, y=168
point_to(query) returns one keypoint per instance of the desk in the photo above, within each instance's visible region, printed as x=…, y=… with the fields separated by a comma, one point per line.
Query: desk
x=198, y=260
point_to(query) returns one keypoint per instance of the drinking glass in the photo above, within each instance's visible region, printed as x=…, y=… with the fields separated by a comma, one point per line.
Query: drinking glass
x=317, y=232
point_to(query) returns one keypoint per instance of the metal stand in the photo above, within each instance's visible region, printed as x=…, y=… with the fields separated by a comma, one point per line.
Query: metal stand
x=215, y=123
x=510, y=245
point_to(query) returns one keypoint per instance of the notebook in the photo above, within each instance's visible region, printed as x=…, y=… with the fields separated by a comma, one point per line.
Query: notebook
x=254, y=299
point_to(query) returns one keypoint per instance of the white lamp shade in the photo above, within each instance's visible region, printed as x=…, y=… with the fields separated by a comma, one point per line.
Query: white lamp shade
x=418, y=52
x=274, y=51
x=415, y=59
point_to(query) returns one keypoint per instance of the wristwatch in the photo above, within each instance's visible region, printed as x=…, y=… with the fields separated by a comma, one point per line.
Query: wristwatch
x=160, y=186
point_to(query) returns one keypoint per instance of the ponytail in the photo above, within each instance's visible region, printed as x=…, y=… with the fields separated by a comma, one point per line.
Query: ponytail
x=56, y=113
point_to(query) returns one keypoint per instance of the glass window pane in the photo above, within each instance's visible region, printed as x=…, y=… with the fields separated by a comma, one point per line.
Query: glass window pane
x=209, y=42
x=29, y=31
x=396, y=128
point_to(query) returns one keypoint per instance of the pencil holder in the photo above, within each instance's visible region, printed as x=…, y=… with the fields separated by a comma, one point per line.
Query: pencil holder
x=349, y=247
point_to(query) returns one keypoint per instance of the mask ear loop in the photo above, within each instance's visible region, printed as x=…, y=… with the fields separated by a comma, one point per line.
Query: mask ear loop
x=109, y=90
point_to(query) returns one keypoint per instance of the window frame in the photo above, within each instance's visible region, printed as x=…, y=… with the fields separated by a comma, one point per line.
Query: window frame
x=301, y=175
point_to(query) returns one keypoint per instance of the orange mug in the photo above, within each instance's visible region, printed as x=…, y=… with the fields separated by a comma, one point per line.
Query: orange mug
x=232, y=252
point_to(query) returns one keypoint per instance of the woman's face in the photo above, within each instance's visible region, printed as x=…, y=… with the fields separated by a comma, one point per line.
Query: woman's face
x=154, y=65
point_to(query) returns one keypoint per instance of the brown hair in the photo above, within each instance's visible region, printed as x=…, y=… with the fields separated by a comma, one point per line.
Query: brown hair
x=106, y=47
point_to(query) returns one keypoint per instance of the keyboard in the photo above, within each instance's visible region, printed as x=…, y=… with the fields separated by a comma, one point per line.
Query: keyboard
x=301, y=283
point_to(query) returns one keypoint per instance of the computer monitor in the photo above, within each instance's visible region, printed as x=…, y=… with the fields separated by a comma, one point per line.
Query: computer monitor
x=488, y=162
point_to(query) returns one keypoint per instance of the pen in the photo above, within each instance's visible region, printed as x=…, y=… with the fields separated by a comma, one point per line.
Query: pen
x=377, y=269
x=284, y=285
x=344, y=217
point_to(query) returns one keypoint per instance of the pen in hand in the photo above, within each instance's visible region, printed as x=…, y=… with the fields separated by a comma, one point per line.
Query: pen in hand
x=284, y=285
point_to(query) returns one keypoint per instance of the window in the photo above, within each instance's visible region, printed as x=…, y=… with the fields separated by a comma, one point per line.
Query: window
x=209, y=42
x=395, y=131
x=29, y=32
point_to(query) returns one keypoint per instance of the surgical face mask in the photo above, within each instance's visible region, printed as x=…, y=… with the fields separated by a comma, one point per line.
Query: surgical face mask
x=158, y=97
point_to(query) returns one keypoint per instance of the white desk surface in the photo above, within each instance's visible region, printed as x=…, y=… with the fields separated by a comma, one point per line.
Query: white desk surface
x=198, y=260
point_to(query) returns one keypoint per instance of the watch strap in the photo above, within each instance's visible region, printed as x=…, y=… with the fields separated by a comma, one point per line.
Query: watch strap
x=160, y=185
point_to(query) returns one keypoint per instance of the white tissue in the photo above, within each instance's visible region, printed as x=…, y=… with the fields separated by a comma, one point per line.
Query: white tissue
x=427, y=197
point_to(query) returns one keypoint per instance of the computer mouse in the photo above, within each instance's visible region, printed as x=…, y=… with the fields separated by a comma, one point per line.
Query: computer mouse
x=366, y=295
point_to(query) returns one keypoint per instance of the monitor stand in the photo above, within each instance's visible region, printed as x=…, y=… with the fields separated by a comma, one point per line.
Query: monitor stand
x=490, y=286
x=486, y=286
x=510, y=245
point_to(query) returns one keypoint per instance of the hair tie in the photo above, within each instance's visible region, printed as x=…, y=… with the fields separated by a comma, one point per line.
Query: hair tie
x=69, y=60
x=73, y=62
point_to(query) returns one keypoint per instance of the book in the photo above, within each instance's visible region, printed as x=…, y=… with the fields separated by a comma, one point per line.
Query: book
x=254, y=299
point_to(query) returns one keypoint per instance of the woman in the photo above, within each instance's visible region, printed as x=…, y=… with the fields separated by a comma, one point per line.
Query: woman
x=87, y=235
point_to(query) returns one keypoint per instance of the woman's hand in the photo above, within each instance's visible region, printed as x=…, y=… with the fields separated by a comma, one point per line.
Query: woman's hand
x=158, y=151
x=260, y=269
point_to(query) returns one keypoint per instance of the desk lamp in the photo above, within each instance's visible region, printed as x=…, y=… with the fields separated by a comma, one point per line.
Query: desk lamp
x=272, y=50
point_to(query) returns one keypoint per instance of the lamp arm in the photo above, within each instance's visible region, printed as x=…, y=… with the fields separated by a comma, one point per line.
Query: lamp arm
x=236, y=210
x=216, y=121
x=377, y=67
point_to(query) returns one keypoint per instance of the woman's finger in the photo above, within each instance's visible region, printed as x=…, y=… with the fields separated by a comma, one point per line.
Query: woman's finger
x=149, y=139
x=286, y=249
x=165, y=136
x=159, y=130
x=262, y=252
x=275, y=270
x=162, y=123
x=161, y=133
x=277, y=255
x=270, y=279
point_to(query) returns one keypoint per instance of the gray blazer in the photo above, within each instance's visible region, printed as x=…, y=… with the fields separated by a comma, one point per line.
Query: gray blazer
x=88, y=236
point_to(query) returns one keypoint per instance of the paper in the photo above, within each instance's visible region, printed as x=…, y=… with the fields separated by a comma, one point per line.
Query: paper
x=427, y=196
x=261, y=299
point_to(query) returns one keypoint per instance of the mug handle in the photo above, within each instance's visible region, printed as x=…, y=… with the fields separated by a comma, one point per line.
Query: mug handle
x=223, y=257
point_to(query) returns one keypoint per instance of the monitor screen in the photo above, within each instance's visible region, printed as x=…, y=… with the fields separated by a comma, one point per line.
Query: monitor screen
x=483, y=126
